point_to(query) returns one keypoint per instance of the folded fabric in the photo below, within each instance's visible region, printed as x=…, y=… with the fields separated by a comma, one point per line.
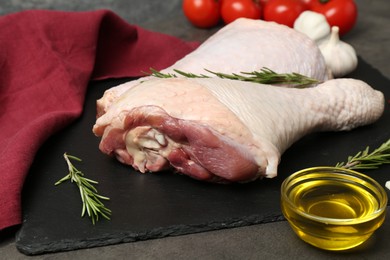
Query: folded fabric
x=47, y=59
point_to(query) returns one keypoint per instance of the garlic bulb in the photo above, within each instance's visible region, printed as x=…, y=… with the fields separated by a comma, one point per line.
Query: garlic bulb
x=313, y=24
x=340, y=57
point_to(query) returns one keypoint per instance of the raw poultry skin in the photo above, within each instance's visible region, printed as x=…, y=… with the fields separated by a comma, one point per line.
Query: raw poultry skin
x=245, y=45
x=223, y=130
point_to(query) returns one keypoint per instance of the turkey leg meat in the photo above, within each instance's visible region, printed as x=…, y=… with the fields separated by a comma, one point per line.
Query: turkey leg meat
x=245, y=45
x=224, y=130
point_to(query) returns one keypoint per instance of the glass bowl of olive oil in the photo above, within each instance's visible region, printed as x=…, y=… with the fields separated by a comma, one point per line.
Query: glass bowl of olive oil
x=333, y=208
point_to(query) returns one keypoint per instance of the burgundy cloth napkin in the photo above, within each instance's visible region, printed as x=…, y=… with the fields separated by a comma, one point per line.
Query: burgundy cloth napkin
x=47, y=59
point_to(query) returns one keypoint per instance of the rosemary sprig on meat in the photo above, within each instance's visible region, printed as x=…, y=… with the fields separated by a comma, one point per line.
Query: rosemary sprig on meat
x=368, y=160
x=264, y=76
x=89, y=195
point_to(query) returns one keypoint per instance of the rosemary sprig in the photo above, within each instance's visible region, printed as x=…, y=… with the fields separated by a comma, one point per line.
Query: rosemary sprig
x=264, y=76
x=89, y=195
x=368, y=160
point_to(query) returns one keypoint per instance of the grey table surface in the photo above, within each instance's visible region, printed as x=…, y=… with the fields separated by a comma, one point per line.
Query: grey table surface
x=371, y=39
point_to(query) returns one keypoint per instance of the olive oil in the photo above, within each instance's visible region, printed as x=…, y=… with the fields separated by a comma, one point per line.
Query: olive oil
x=331, y=199
x=333, y=212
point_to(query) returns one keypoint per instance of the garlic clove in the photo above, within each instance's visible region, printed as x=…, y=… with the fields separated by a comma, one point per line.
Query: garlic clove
x=340, y=57
x=313, y=24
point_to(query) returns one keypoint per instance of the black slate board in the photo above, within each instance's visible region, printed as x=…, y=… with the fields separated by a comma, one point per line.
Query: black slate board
x=147, y=206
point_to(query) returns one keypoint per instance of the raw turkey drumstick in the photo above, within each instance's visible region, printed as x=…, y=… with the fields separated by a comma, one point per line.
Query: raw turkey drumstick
x=245, y=45
x=224, y=130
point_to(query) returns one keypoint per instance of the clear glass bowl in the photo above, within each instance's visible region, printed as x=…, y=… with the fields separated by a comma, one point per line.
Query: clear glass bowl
x=333, y=208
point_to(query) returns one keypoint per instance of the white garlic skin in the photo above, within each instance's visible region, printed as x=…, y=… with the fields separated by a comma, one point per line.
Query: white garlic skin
x=313, y=24
x=340, y=57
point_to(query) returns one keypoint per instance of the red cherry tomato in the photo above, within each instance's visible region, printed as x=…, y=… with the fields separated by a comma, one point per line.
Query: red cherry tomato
x=308, y=3
x=234, y=9
x=202, y=13
x=341, y=13
x=283, y=11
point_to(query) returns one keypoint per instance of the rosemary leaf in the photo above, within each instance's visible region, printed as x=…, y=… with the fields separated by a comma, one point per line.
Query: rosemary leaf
x=91, y=200
x=102, y=197
x=158, y=74
x=264, y=76
x=190, y=75
x=83, y=210
x=368, y=160
x=91, y=181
